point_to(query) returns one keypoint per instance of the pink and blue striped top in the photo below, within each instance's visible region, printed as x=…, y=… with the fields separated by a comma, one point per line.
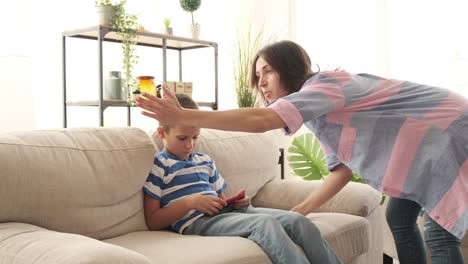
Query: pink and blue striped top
x=405, y=139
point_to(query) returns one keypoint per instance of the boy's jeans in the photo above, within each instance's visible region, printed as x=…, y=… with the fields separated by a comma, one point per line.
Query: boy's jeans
x=401, y=217
x=275, y=231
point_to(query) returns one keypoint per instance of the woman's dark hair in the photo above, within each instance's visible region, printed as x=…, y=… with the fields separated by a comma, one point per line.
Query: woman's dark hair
x=290, y=61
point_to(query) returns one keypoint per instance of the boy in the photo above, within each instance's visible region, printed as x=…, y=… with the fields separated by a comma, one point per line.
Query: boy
x=184, y=191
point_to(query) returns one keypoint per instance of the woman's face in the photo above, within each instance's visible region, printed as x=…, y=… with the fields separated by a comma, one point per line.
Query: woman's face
x=269, y=81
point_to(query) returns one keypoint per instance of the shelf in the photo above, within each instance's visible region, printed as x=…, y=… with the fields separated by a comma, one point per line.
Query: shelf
x=122, y=103
x=145, y=38
x=164, y=42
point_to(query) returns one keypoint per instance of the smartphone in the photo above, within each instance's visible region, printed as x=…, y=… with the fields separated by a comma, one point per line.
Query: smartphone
x=230, y=201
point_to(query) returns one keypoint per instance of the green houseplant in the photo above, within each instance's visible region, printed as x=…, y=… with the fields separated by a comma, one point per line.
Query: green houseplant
x=307, y=160
x=126, y=27
x=167, y=26
x=246, y=46
x=191, y=6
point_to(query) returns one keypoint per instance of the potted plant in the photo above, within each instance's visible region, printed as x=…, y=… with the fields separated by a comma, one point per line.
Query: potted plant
x=167, y=26
x=191, y=6
x=246, y=47
x=106, y=11
x=126, y=27
x=307, y=160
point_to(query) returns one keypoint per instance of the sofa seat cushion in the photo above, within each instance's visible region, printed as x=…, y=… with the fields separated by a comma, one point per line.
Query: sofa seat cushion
x=24, y=243
x=348, y=235
x=175, y=248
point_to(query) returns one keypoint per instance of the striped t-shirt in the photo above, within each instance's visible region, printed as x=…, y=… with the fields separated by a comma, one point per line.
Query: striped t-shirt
x=405, y=139
x=172, y=178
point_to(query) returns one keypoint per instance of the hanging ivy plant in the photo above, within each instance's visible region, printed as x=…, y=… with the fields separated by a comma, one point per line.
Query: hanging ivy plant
x=126, y=27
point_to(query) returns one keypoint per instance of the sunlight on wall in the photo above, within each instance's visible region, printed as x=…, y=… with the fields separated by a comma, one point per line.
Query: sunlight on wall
x=419, y=40
x=335, y=37
x=16, y=109
x=422, y=41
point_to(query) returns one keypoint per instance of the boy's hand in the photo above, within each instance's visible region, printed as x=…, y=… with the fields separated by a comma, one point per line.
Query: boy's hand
x=207, y=204
x=244, y=202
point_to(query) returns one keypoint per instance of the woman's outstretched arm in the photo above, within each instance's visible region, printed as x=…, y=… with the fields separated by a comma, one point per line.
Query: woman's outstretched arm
x=167, y=110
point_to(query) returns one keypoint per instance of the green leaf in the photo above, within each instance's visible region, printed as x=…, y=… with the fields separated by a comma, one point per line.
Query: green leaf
x=306, y=158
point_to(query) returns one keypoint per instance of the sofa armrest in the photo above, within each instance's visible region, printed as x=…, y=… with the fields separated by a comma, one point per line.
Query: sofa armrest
x=355, y=198
x=25, y=243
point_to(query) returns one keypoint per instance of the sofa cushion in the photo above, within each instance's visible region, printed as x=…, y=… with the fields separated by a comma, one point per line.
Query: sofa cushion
x=348, y=235
x=170, y=247
x=23, y=243
x=83, y=181
x=245, y=160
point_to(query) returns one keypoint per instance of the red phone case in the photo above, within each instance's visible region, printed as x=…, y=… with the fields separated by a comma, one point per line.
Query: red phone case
x=229, y=201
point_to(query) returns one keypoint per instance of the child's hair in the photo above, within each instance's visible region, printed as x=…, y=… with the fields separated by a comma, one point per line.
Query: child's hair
x=186, y=102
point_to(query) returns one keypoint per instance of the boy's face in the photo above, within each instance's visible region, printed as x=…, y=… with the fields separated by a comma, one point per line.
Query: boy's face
x=180, y=140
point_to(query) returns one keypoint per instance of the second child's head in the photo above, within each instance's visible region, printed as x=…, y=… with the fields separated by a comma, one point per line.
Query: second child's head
x=180, y=140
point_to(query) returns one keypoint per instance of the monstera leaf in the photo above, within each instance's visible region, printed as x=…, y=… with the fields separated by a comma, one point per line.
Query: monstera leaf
x=306, y=158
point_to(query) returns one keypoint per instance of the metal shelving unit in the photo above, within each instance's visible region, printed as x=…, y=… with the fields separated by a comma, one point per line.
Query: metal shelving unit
x=145, y=38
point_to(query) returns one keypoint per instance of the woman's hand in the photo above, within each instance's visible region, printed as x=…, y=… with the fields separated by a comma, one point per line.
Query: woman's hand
x=241, y=203
x=207, y=204
x=300, y=208
x=166, y=110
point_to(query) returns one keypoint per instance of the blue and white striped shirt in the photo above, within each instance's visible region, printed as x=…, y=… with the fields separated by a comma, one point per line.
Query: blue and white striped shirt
x=172, y=179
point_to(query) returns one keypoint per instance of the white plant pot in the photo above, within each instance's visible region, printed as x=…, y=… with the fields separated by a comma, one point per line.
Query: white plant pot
x=105, y=14
x=195, y=31
x=168, y=31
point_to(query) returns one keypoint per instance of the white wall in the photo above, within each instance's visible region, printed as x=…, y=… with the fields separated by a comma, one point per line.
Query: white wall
x=422, y=41
x=36, y=29
x=417, y=40
x=16, y=106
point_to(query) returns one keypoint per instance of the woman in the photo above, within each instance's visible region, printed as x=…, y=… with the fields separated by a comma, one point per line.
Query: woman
x=405, y=139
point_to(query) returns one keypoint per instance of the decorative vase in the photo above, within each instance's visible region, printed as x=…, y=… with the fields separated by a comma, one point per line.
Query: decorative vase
x=195, y=30
x=113, y=86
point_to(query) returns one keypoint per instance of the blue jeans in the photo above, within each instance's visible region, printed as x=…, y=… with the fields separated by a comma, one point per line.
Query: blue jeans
x=276, y=231
x=401, y=218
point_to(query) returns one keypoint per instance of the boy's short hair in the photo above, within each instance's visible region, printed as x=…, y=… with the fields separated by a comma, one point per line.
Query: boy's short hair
x=186, y=102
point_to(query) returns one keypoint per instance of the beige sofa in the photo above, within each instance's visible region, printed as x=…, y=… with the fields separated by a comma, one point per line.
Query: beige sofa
x=389, y=243
x=74, y=196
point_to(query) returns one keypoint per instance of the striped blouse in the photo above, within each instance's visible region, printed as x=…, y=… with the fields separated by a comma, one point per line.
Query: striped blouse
x=405, y=139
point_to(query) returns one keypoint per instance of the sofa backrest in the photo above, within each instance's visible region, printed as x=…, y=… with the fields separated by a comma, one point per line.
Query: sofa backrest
x=83, y=181
x=245, y=160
